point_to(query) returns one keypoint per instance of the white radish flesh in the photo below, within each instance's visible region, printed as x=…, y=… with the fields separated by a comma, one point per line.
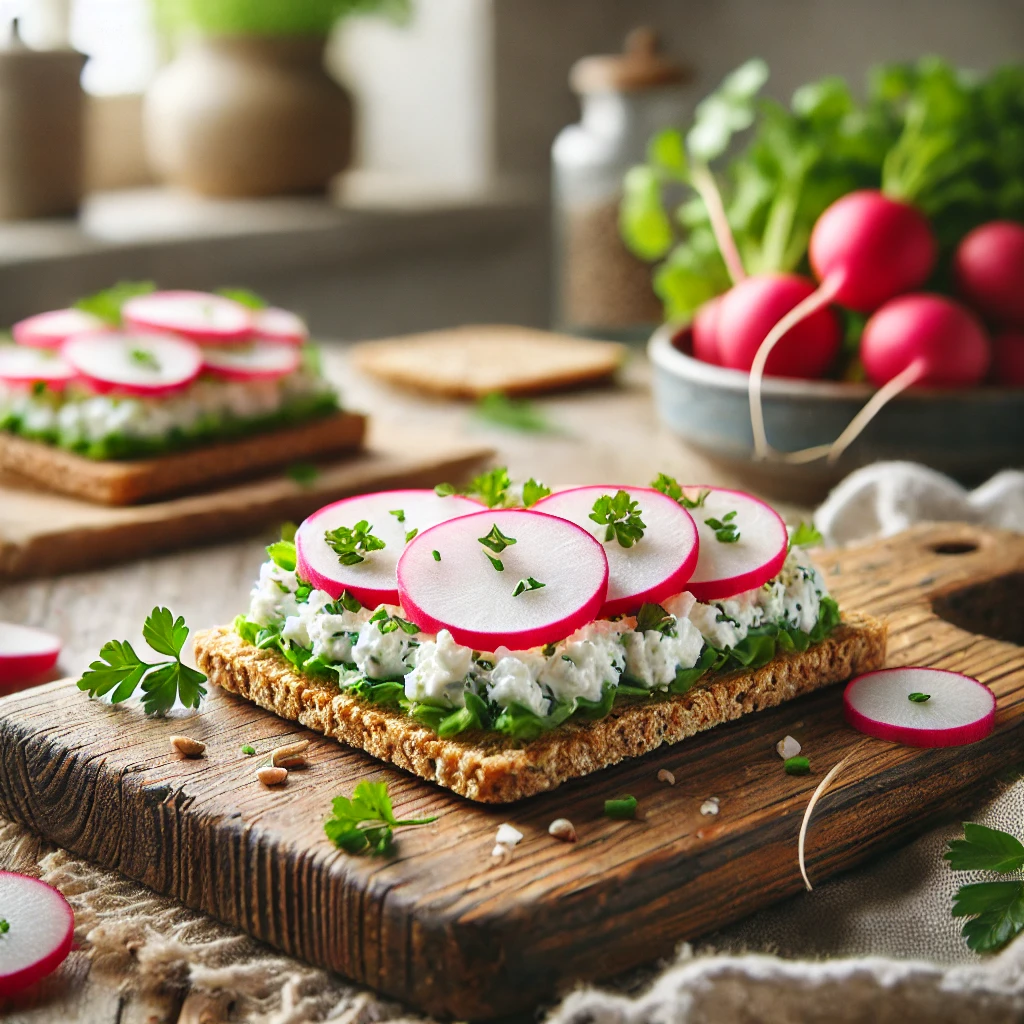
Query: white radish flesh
x=258, y=360
x=25, y=653
x=41, y=929
x=657, y=566
x=958, y=710
x=139, y=364
x=462, y=591
x=727, y=569
x=371, y=581
x=26, y=366
x=273, y=324
x=207, y=319
x=51, y=330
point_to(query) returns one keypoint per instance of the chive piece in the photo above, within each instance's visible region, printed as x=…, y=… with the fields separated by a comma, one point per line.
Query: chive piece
x=412, y=533
x=621, y=808
x=437, y=555
x=919, y=698
x=248, y=748
x=798, y=765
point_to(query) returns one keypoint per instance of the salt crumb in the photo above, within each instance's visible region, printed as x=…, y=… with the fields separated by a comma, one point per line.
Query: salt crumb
x=787, y=748
x=501, y=852
x=664, y=775
x=710, y=806
x=508, y=836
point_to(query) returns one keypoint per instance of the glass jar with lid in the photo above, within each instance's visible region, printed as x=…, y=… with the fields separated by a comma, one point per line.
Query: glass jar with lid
x=601, y=289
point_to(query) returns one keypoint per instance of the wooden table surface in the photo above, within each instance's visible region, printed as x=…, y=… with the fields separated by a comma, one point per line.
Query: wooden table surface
x=608, y=435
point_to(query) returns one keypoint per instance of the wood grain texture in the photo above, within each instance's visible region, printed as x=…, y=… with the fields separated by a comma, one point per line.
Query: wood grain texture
x=439, y=924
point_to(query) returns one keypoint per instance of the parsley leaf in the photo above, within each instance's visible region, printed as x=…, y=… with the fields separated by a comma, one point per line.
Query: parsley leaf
x=491, y=488
x=398, y=513
x=653, y=617
x=996, y=910
x=985, y=849
x=351, y=544
x=445, y=490
x=165, y=633
x=106, y=305
x=496, y=540
x=526, y=585
x=366, y=820
x=348, y=602
x=533, y=491
x=670, y=487
x=622, y=516
x=805, y=535
x=725, y=529
x=248, y=749
x=283, y=555
x=519, y=414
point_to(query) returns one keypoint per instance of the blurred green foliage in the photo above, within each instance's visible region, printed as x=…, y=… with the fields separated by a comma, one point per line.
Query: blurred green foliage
x=268, y=17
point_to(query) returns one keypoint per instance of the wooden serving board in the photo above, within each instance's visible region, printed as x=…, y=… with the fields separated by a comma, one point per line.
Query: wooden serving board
x=442, y=926
x=42, y=533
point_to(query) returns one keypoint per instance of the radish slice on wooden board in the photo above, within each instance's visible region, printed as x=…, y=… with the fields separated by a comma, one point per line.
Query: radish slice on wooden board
x=920, y=707
x=25, y=366
x=39, y=934
x=553, y=579
x=138, y=364
x=726, y=569
x=51, y=330
x=258, y=360
x=657, y=566
x=371, y=581
x=24, y=654
x=273, y=324
x=205, y=318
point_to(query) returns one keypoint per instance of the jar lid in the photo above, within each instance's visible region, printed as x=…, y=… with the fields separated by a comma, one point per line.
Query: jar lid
x=640, y=66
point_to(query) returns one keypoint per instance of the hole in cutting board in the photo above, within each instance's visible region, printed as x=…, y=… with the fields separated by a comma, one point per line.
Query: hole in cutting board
x=991, y=608
x=955, y=547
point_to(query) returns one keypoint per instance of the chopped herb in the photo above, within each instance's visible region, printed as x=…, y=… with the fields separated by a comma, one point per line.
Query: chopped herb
x=120, y=669
x=653, y=616
x=805, y=536
x=528, y=584
x=244, y=297
x=143, y=357
x=620, y=808
x=5, y=926
x=670, y=487
x=398, y=513
x=283, y=555
x=919, y=698
x=351, y=544
x=288, y=531
x=348, y=602
x=412, y=533
x=548, y=650
x=496, y=562
x=533, y=491
x=436, y=554
x=445, y=490
x=107, y=304
x=248, y=749
x=366, y=821
x=491, y=488
x=512, y=413
x=496, y=540
x=725, y=529
x=622, y=516
x=303, y=473
x=389, y=623
x=798, y=765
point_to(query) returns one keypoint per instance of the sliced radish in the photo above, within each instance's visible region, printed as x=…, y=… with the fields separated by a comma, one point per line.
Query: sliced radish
x=727, y=569
x=657, y=566
x=41, y=929
x=372, y=581
x=257, y=360
x=273, y=324
x=948, y=709
x=137, y=364
x=205, y=318
x=51, y=330
x=25, y=653
x=554, y=579
x=25, y=366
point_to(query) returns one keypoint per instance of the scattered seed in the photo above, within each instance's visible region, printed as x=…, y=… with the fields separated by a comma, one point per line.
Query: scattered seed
x=710, y=806
x=292, y=762
x=664, y=775
x=562, y=828
x=271, y=776
x=787, y=748
x=187, y=747
x=278, y=754
x=508, y=835
x=501, y=853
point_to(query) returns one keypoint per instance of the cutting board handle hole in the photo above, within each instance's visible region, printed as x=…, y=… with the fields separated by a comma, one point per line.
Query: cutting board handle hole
x=954, y=547
x=989, y=608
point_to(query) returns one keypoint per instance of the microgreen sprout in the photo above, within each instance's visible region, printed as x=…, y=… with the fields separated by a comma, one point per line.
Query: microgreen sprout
x=525, y=585
x=621, y=514
x=352, y=544
x=725, y=528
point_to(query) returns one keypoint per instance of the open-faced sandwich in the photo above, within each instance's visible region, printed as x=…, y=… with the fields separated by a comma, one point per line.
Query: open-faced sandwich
x=136, y=394
x=502, y=640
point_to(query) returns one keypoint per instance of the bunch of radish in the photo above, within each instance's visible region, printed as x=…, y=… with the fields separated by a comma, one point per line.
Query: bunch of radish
x=164, y=342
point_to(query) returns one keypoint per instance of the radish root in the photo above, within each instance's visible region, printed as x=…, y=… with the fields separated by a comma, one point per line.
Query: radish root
x=815, y=797
x=705, y=186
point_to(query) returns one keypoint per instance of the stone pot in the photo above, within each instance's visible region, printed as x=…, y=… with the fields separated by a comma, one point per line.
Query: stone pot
x=248, y=116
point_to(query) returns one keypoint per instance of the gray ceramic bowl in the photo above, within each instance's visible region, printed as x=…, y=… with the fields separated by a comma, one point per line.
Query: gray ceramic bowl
x=968, y=434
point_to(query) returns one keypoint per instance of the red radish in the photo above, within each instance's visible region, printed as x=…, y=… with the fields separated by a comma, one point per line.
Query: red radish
x=705, y=331
x=41, y=929
x=657, y=566
x=749, y=311
x=25, y=366
x=273, y=324
x=257, y=360
x=727, y=569
x=25, y=654
x=372, y=581
x=134, y=364
x=207, y=319
x=989, y=270
x=463, y=592
x=51, y=330
x=1008, y=359
x=921, y=707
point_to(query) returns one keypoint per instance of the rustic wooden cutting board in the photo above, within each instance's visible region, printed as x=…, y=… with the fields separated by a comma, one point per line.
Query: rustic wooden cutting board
x=439, y=924
x=42, y=533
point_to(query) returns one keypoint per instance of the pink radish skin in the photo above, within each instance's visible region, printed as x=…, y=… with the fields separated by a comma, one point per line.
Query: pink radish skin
x=373, y=581
x=705, y=331
x=273, y=324
x=51, y=330
x=960, y=709
x=989, y=271
x=1008, y=359
x=23, y=367
x=104, y=361
x=25, y=654
x=257, y=360
x=464, y=594
x=657, y=566
x=752, y=308
x=199, y=316
x=725, y=570
x=42, y=930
